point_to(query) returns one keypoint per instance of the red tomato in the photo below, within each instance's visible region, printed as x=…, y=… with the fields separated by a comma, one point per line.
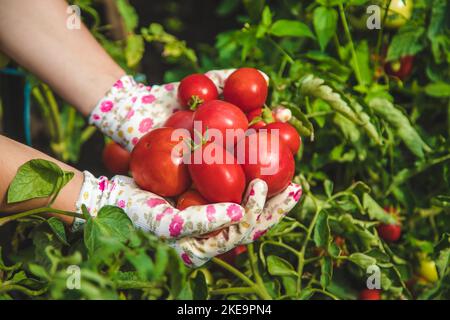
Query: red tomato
x=230, y=256
x=246, y=88
x=252, y=115
x=370, y=294
x=222, y=116
x=156, y=167
x=181, y=120
x=190, y=198
x=287, y=134
x=265, y=161
x=217, y=181
x=401, y=68
x=389, y=232
x=196, y=89
x=116, y=159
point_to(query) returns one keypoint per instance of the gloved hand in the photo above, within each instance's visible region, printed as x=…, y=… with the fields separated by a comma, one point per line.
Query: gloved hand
x=150, y=212
x=130, y=110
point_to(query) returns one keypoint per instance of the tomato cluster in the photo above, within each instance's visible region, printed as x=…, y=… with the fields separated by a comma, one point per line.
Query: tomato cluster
x=175, y=161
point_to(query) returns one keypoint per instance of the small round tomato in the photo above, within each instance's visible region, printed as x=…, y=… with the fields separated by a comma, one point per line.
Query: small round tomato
x=182, y=119
x=217, y=179
x=157, y=163
x=427, y=270
x=389, y=232
x=246, y=88
x=370, y=294
x=398, y=13
x=230, y=256
x=400, y=68
x=190, y=198
x=268, y=159
x=223, y=116
x=287, y=134
x=116, y=159
x=196, y=89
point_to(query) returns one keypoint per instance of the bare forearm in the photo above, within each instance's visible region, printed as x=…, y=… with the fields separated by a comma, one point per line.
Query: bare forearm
x=34, y=33
x=13, y=156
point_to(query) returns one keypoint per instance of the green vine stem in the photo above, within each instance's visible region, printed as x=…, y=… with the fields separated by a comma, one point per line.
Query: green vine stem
x=255, y=271
x=235, y=290
x=352, y=46
x=16, y=216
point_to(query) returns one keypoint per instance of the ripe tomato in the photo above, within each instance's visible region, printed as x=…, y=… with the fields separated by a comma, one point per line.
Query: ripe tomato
x=182, y=119
x=220, y=115
x=287, y=133
x=116, y=159
x=230, y=256
x=370, y=294
x=190, y=198
x=401, y=68
x=389, y=232
x=246, y=88
x=196, y=89
x=219, y=181
x=264, y=160
x=155, y=165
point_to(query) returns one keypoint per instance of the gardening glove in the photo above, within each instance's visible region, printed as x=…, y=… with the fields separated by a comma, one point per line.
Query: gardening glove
x=130, y=110
x=150, y=212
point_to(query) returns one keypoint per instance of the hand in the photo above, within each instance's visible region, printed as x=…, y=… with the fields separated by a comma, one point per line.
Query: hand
x=130, y=110
x=150, y=212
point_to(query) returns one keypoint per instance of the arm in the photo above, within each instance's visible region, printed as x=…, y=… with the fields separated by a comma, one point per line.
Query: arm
x=34, y=33
x=13, y=156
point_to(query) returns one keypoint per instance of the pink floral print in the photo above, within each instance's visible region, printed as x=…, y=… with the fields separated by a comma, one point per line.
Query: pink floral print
x=259, y=234
x=106, y=106
x=234, y=211
x=118, y=84
x=148, y=98
x=153, y=202
x=176, y=226
x=296, y=195
x=121, y=204
x=145, y=125
x=169, y=87
x=210, y=212
x=166, y=212
x=186, y=259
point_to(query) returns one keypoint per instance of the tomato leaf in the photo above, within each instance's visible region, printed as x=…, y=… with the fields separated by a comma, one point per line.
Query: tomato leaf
x=408, y=41
x=322, y=230
x=278, y=266
x=290, y=28
x=438, y=89
x=58, y=228
x=326, y=269
x=362, y=260
x=37, y=178
x=325, y=24
x=134, y=50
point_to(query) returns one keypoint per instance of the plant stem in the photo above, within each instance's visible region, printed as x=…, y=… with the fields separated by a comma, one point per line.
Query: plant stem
x=284, y=52
x=332, y=296
x=380, y=34
x=87, y=133
x=16, y=216
x=254, y=267
x=301, y=256
x=237, y=290
x=352, y=46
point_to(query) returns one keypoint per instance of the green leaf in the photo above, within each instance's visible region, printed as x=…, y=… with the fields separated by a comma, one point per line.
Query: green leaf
x=306, y=294
x=328, y=187
x=128, y=14
x=375, y=211
x=438, y=90
x=111, y=224
x=58, y=228
x=322, y=230
x=443, y=262
x=266, y=19
x=326, y=269
x=37, y=178
x=199, y=286
x=290, y=28
x=362, y=260
x=278, y=266
x=38, y=271
x=134, y=50
x=409, y=41
x=325, y=24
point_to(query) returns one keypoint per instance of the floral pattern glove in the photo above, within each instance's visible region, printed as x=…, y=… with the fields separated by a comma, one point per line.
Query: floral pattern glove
x=130, y=110
x=181, y=228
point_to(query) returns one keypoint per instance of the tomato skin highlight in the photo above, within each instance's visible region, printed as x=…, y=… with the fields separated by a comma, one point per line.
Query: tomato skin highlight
x=116, y=159
x=279, y=159
x=288, y=135
x=246, y=88
x=389, y=232
x=199, y=86
x=370, y=294
x=153, y=168
x=220, y=115
x=401, y=68
x=217, y=182
x=182, y=119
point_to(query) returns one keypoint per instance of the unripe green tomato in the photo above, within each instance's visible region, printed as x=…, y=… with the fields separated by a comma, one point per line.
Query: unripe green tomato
x=428, y=271
x=399, y=12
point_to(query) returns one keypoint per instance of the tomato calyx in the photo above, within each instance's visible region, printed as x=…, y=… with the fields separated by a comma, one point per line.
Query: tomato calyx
x=195, y=102
x=266, y=116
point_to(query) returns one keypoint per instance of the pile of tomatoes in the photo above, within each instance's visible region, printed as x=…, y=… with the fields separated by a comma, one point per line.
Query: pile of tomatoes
x=162, y=165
